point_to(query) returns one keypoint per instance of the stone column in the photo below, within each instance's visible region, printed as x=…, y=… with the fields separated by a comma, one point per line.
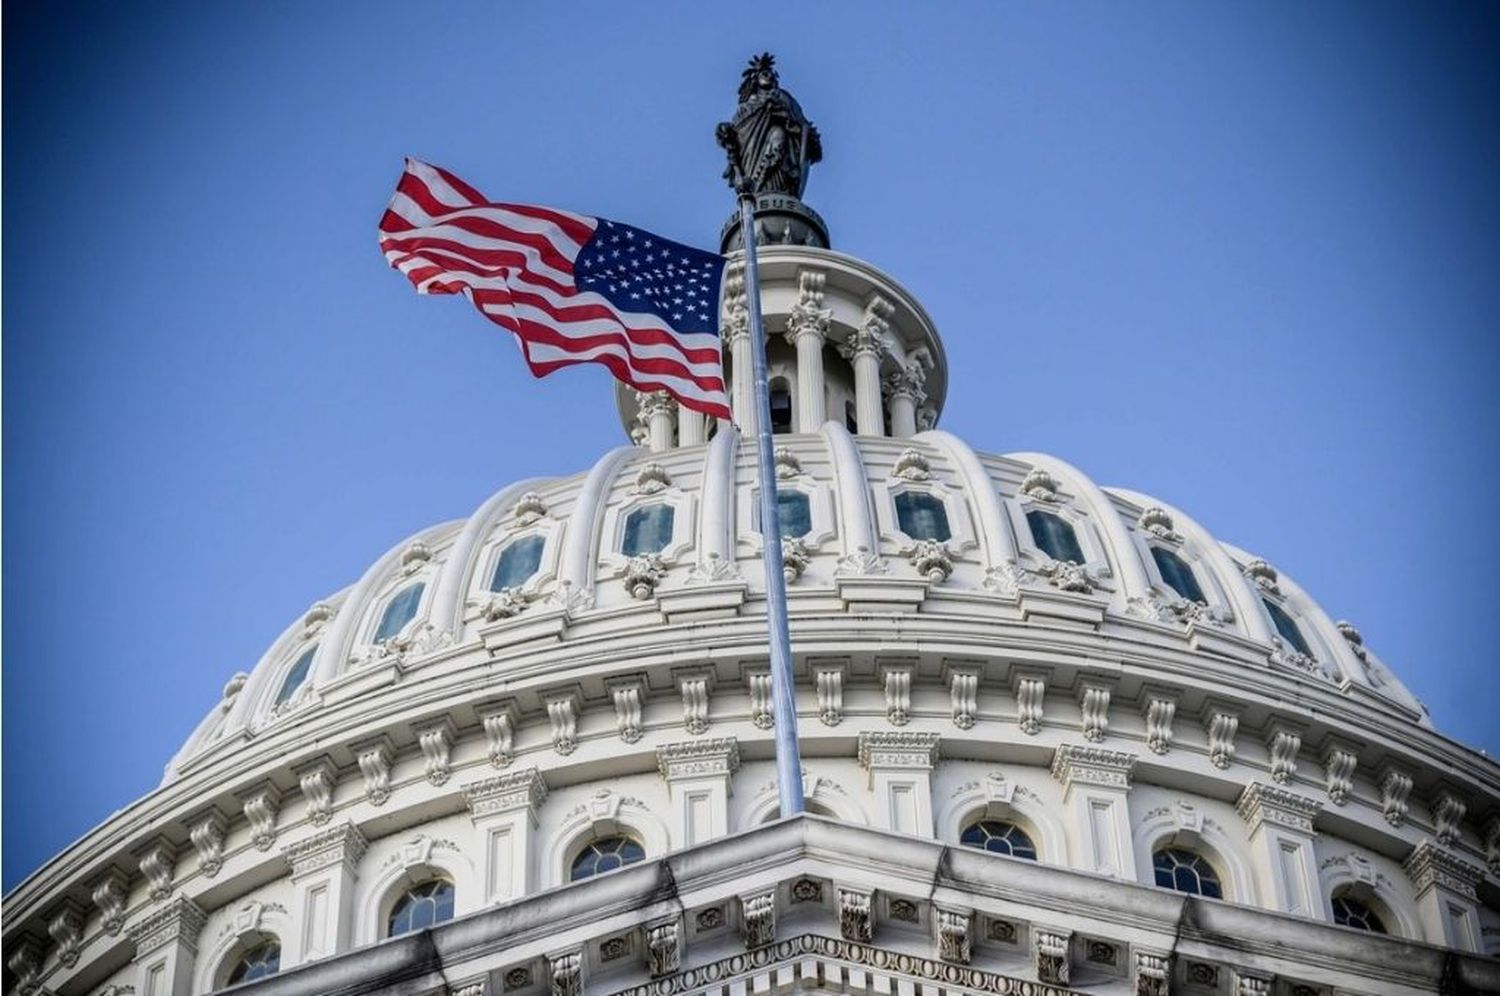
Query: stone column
x=1447, y=896
x=1281, y=841
x=503, y=809
x=863, y=349
x=806, y=330
x=699, y=775
x=324, y=868
x=903, y=390
x=166, y=944
x=900, y=768
x=657, y=410
x=735, y=329
x=690, y=427
x=1096, y=786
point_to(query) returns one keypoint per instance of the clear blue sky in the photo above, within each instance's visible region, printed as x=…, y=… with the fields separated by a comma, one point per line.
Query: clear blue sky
x=1243, y=256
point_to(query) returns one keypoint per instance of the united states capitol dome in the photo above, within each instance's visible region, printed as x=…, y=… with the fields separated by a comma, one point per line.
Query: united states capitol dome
x=1055, y=735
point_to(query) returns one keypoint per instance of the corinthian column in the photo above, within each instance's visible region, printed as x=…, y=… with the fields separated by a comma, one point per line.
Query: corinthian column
x=806, y=329
x=904, y=393
x=736, y=332
x=863, y=349
x=657, y=409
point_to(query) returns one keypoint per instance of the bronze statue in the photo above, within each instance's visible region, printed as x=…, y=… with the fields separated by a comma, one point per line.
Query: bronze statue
x=770, y=142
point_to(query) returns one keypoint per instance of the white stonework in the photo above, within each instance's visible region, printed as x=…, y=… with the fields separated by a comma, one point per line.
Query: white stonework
x=940, y=680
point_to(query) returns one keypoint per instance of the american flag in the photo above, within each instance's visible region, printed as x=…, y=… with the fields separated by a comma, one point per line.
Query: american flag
x=572, y=289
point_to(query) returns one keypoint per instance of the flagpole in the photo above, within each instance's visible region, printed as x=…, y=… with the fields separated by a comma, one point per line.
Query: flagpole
x=783, y=699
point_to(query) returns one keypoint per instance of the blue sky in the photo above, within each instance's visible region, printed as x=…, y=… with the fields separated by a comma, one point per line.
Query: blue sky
x=1241, y=256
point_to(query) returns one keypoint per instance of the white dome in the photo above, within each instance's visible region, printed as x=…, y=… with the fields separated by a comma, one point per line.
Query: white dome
x=850, y=482
x=980, y=641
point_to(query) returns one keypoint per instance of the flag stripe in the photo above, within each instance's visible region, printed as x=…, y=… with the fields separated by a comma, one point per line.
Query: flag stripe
x=516, y=263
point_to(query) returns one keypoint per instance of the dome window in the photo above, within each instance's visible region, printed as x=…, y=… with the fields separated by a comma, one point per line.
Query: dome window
x=259, y=962
x=1178, y=575
x=421, y=907
x=1054, y=537
x=605, y=855
x=296, y=676
x=793, y=511
x=399, y=611
x=518, y=563
x=1287, y=627
x=1184, y=871
x=647, y=530
x=1351, y=912
x=781, y=407
x=922, y=516
x=999, y=837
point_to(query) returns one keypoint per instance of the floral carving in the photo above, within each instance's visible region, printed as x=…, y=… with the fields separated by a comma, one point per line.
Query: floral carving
x=758, y=918
x=912, y=466
x=643, y=574
x=1263, y=575
x=652, y=479
x=794, y=558
x=713, y=570
x=1067, y=576
x=1005, y=580
x=414, y=557
x=953, y=934
x=932, y=560
x=861, y=562
x=1158, y=523
x=1039, y=485
x=529, y=508
x=855, y=921
x=1052, y=956
x=787, y=464
x=502, y=604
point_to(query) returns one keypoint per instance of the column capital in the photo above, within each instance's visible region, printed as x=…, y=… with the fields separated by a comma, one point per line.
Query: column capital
x=342, y=844
x=908, y=382
x=1260, y=804
x=655, y=403
x=1074, y=764
x=863, y=341
x=699, y=758
x=178, y=922
x=1430, y=865
x=515, y=790
x=898, y=749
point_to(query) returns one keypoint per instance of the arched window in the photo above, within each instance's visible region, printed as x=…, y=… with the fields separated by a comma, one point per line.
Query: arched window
x=420, y=907
x=922, y=516
x=999, y=837
x=1177, y=574
x=647, y=530
x=1054, y=537
x=1351, y=912
x=1287, y=627
x=296, y=676
x=399, y=611
x=260, y=961
x=603, y=855
x=1184, y=871
x=518, y=562
x=781, y=406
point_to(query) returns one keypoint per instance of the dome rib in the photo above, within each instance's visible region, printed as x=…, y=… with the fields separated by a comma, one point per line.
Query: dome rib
x=999, y=543
x=581, y=542
x=851, y=484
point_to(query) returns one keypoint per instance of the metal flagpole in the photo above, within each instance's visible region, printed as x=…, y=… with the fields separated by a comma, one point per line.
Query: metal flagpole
x=783, y=700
